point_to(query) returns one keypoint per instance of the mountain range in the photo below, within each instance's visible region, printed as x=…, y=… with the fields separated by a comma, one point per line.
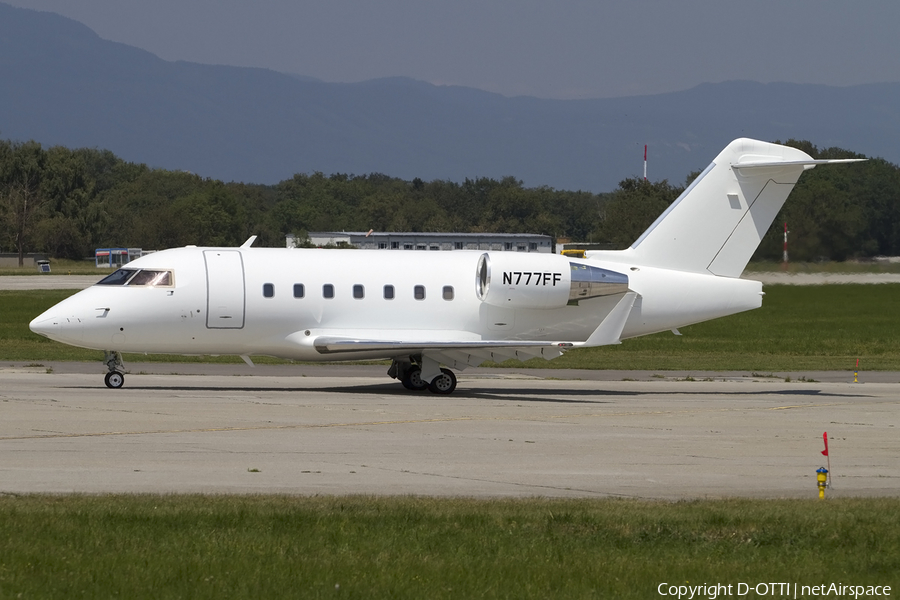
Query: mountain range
x=61, y=84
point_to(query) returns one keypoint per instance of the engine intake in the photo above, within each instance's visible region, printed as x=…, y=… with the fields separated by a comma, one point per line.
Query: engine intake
x=511, y=280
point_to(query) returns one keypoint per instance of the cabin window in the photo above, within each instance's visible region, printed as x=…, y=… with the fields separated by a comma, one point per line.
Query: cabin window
x=268, y=290
x=419, y=292
x=328, y=290
x=299, y=290
x=359, y=292
x=388, y=292
x=448, y=292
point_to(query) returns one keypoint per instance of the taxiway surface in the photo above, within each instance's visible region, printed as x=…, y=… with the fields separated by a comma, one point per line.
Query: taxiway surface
x=349, y=430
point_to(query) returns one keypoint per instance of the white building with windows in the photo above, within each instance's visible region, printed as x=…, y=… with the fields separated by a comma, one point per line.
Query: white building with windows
x=376, y=240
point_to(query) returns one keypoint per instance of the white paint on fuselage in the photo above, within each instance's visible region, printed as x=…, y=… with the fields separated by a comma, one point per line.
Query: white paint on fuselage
x=174, y=319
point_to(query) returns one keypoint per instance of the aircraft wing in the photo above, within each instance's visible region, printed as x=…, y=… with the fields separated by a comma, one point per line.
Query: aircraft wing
x=457, y=354
x=460, y=353
x=331, y=345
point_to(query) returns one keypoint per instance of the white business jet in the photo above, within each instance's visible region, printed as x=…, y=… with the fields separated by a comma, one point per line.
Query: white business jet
x=423, y=310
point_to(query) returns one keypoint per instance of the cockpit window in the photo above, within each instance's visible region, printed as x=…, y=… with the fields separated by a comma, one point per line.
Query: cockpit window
x=120, y=277
x=151, y=278
x=134, y=277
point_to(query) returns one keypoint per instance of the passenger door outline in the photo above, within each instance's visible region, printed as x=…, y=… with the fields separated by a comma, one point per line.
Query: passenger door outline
x=225, y=295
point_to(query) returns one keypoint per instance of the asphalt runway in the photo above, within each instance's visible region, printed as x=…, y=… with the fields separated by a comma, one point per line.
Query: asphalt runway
x=351, y=430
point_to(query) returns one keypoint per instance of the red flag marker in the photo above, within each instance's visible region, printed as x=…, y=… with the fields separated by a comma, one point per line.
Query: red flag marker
x=825, y=437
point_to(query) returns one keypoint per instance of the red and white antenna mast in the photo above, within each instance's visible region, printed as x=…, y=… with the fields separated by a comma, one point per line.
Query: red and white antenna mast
x=645, y=162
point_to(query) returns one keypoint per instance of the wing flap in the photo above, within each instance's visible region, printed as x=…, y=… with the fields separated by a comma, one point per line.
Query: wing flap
x=456, y=354
x=334, y=345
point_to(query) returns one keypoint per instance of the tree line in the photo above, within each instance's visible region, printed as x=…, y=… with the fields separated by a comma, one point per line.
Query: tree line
x=67, y=202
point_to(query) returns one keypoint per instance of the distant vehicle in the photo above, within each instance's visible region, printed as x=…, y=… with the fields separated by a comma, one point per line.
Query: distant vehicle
x=456, y=309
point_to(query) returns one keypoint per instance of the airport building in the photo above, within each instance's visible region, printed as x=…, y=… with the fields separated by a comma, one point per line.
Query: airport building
x=376, y=240
x=115, y=257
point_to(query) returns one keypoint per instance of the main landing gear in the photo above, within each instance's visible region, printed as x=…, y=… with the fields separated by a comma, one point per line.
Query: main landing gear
x=410, y=375
x=115, y=378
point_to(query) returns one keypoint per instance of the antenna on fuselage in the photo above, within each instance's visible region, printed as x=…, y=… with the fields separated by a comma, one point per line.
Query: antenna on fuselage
x=249, y=242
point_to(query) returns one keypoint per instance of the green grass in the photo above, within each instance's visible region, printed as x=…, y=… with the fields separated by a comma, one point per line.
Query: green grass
x=17, y=342
x=407, y=547
x=799, y=328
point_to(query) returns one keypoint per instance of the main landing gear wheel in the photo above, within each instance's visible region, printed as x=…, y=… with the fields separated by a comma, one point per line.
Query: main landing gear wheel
x=444, y=383
x=114, y=380
x=412, y=380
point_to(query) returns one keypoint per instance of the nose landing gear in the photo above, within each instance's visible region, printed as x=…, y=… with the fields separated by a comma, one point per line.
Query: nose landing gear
x=115, y=378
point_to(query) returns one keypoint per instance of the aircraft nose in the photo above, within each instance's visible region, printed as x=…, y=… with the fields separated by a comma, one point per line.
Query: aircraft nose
x=58, y=328
x=44, y=325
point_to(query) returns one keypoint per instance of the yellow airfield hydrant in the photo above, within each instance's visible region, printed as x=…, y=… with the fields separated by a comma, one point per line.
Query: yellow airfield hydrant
x=822, y=479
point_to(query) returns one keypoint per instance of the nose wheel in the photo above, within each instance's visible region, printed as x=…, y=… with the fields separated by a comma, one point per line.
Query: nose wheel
x=114, y=380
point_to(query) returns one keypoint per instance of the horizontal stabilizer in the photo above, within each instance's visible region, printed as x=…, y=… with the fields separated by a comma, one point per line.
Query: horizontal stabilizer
x=806, y=163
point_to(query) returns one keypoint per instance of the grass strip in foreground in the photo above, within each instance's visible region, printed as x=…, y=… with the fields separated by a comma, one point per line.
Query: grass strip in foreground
x=410, y=547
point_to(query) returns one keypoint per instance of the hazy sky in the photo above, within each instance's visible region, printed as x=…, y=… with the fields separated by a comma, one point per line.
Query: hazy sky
x=558, y=49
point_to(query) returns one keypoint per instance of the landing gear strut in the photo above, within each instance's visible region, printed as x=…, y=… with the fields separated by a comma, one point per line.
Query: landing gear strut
x=410, y=375
x=115, y=378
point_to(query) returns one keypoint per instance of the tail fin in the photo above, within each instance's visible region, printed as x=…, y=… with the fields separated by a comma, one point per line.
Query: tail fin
x=720, y=219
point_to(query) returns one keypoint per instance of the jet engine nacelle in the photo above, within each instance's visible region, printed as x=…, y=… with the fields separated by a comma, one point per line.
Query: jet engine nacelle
x=513, y=280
